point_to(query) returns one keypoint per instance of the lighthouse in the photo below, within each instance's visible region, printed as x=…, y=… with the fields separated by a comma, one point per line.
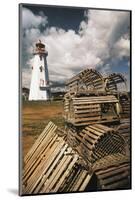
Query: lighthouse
x=39, y=87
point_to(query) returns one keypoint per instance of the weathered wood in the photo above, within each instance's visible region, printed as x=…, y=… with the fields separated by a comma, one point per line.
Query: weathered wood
x=53, y=167
x=79, y=182
x=66, y=161
x=66, y=173
x=97, y=141
x=85, y=183
x=40, y=146
x=113, y=172
x=36, y=176
x=83, y=111
x=39, y=140
x=86, y=78
x=50, y=167
x=124, y=130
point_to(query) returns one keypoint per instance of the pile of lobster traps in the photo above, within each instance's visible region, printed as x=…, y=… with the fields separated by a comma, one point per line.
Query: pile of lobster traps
x=52, y=165
x=92, y=98
x=93, y=151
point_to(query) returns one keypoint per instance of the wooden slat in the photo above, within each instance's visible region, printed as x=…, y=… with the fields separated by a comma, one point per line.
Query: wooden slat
x=85, y=183
x=39, y=148
x=115, y=178
x=87, y=119
x=57, y=172
x=41, y=169
x=83, y=108
x=92, y=122
x=56, y=163
x=30, y=168
x=39, y=140
x=79, y=182
x=50, y=167
x=67, y=172
x=113, y=172
x=85, y=115
x=117, y=185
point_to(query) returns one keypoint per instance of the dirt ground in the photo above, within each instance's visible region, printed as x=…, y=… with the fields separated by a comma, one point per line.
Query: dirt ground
x=35, y=116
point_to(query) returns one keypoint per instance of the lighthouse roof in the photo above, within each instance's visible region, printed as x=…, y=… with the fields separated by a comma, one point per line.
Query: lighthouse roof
x=40, y=44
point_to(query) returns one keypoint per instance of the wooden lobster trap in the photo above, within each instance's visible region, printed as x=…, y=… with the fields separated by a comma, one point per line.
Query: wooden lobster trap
x=53, y=166
x=82, y=111
x=87, y=80
x=95, y=142
x=94, y=146
x=92, y=98
x=112, y=172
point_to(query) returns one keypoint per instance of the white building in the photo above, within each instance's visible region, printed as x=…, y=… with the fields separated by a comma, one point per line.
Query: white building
x=39, y=88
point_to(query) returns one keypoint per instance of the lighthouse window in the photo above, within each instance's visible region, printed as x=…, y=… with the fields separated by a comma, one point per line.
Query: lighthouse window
x=41, y=82
x=41, y=68
x=40, y=57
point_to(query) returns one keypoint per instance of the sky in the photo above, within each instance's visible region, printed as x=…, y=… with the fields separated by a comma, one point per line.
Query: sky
x=75, y=39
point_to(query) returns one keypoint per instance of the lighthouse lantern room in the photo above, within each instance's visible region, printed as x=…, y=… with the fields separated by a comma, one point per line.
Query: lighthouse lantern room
x=39, y=87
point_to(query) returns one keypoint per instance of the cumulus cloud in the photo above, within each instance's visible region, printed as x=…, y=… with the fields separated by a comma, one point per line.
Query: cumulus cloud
x=26, y=76
x=30, y=20
x=102, y=36
x=121, y=48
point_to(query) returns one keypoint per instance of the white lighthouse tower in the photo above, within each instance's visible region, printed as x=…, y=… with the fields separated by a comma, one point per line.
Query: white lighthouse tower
x=39, y=88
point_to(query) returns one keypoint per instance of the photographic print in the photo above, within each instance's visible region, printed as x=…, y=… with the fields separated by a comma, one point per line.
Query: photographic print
x=75, y=112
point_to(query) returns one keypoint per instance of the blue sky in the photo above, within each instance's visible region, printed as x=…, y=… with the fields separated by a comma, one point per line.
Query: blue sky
x=60, y=17
x=76, y=39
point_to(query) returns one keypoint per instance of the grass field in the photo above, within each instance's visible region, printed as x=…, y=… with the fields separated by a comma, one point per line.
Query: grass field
x=35, y=116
